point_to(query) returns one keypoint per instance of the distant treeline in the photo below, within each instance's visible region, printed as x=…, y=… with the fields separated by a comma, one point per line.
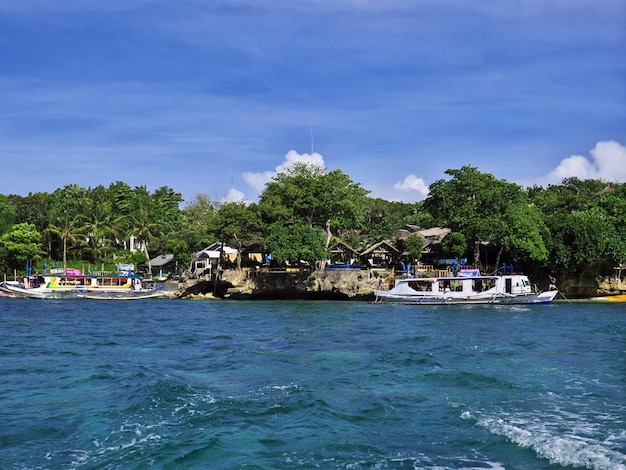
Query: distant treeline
x=577, y=227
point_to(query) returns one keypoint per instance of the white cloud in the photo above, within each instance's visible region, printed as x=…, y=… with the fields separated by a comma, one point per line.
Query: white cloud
x=234, y=195
x=259, y=180
x=611, y=160
x=607, y=162
x=412, y=183
x=294, y=157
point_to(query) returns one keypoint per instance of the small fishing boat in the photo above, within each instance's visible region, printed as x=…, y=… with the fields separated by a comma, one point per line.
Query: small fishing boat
x=74, y=284
x=468, y=288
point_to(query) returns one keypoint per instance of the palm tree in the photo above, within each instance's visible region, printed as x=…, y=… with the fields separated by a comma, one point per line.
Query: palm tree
x=68, y=230
x=142, y=229
x=100, y=230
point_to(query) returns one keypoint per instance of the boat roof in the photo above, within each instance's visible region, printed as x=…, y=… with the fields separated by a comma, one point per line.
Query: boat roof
x=90, y=275
x=457, y=278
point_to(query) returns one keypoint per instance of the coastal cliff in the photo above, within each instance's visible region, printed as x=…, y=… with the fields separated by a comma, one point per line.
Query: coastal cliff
x=239, y=285
x=594, y=287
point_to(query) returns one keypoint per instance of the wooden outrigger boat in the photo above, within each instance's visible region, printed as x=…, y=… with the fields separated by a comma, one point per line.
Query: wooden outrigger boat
x=74, y=284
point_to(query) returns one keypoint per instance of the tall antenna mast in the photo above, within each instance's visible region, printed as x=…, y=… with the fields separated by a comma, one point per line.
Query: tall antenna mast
x=311, y=140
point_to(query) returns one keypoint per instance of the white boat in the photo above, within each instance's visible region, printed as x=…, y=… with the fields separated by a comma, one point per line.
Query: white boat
x=474, y=289
x=74, y=284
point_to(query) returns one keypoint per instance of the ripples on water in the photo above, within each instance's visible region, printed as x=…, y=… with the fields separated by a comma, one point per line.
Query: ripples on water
x=182, y=384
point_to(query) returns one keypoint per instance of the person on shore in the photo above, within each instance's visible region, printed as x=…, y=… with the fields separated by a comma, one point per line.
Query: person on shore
x=552, y=280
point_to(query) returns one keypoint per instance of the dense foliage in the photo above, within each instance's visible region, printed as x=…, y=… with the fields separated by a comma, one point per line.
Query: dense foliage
x=575, y=227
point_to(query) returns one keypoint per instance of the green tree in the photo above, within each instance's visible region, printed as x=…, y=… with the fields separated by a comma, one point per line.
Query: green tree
x=418, y=216
x=414, y=244
x=485, y=209
x=68, y=208
x=167, y=215
x=143, y=229
x=455, y=245
x=580, y=240
x=68, y=229
x=32, y=209
x=124, y=205
x=340, y=203
x=100, y=230
x=522, y=234
x=239, y=224
x=197, y=219
x=180, y=250
x=166, y=206
x=307, y=194
x=70, y=199
x=383, y=219
x=612, y=201
x=584, y=224
x=20, y=244
x=8, y=214
x=296, y=242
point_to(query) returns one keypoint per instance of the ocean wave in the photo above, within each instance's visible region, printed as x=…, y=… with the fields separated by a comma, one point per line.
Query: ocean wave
x=546, y=436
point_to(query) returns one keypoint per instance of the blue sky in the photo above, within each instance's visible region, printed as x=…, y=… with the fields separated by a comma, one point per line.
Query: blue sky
x=212, y=96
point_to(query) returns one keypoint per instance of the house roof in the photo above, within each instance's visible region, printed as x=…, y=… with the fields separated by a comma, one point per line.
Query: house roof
x=341, y=247
x=381, y=247
x=431, y=236
x=213, y=251
x=161, y=260
x=436, y=233
x=217, y=246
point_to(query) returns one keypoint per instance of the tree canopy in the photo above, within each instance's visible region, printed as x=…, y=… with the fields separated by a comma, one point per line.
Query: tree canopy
x=304, y=203
x=488, y=211
x=573, y=227
x=19, y=244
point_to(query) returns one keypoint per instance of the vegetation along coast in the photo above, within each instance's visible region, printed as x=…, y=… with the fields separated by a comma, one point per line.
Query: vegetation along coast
x=316, y=233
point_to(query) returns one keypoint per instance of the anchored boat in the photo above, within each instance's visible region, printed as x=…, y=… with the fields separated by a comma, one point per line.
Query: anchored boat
x=74, y=284
x=467, y=288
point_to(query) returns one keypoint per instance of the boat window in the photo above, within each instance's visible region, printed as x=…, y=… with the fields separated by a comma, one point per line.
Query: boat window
x=424, y=286
x=481, y=285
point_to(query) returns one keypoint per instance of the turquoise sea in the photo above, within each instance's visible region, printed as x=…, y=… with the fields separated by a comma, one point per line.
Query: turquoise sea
x=174, y=384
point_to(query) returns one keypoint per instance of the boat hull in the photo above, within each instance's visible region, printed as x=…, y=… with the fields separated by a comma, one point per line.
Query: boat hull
x=385, y=297
x=133, y=295
x=55, y=294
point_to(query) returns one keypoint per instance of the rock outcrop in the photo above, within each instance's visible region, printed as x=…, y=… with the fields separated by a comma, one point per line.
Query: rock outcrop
x=588, y=287
x=354, y=285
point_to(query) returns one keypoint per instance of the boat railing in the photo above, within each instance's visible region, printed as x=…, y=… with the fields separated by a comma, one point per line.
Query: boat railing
x=424, y=268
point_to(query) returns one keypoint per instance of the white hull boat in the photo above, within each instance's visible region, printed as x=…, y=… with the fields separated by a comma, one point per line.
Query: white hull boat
x=505, y=289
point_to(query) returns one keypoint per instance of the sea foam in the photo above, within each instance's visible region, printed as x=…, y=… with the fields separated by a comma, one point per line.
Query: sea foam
x=564, y=449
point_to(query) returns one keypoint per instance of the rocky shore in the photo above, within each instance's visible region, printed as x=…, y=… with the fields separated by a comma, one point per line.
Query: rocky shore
x=239, y=285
